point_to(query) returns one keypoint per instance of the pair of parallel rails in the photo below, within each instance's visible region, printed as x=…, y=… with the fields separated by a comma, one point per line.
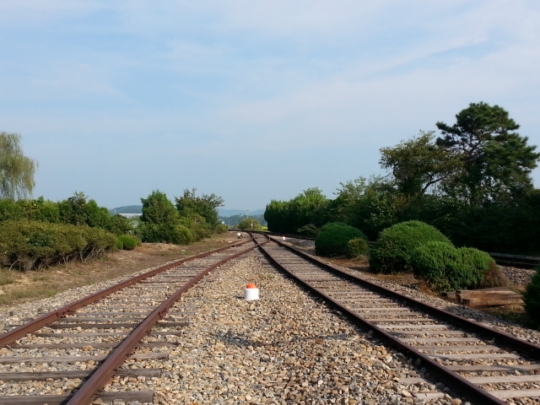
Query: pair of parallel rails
x=484, y=365
x=105, y=328
x=451, y=349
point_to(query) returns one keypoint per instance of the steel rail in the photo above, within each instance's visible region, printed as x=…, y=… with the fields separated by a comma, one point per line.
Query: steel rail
x=450, y=378
x=101, y=376
x=44, y=320
x=504, y=339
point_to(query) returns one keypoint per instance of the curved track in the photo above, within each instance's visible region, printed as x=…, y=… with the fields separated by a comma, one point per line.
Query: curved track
x=77, y=348
x=480, y=363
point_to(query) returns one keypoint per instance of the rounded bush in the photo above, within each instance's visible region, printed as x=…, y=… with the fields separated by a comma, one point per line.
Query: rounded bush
x=392, y=251
x=221, y=228
x=98, y=241
x=249, y=224
x=128, y=242
x=182, y=235
x=357, y=247
x=431, y=261
x=531, y=297
x=483, y=271
x=446, y=268
x=333, y=237
x=119, y=243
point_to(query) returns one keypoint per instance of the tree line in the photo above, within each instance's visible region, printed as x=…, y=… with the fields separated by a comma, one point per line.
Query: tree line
x=234, y=220
x=38, y=232
x=471, y=181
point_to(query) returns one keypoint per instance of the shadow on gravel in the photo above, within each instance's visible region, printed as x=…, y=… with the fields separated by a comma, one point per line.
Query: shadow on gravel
x=241, y=340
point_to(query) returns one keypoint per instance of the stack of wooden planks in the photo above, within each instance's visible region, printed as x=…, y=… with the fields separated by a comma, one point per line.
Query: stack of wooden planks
x=486, y=297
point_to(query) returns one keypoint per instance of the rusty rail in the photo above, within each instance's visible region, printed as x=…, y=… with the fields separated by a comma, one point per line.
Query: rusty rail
x=452, y=379
x=44, y=320
x=90, y=389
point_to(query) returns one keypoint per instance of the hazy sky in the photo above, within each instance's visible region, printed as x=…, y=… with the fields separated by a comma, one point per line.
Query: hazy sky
x=250, y=100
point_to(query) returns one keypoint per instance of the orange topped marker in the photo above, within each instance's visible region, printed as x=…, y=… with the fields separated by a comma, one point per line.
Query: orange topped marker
x=251, y=292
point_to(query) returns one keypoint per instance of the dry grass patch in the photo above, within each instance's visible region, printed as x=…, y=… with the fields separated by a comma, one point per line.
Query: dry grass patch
x=18, y=287
x=6, y=277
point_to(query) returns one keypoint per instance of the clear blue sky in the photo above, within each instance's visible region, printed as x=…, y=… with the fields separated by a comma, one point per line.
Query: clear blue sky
x=250, y=100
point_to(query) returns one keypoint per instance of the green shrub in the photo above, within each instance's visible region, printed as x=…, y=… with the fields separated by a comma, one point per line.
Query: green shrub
x=333, y=238
x=119, y=225
x=392, y=251
x=531, y=297
x=182, y=235
x=73, y=242
x=432, y=261
x=10, y=210
x=197, y=225
x=221, y=228
x=199, y=231
x=249, y=224
x=357, y=247
x=128, y=242
x=474, y=264
x=98, y=241
x=446, y=268
x=149, y=232
x=119, y=243
x=308, y=230
x=28, y=245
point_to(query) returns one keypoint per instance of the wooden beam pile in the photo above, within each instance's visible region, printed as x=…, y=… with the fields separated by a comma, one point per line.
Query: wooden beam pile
x=486, y=297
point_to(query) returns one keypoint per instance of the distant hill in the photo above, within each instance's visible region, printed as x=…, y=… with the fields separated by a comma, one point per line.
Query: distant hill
x=128, y=209
x=137, y=209
x=230, y=213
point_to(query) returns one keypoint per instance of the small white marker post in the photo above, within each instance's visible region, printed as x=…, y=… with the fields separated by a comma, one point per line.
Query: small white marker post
x=251, y=292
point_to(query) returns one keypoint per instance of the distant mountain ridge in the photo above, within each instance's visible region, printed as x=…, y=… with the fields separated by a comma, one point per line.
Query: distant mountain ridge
x=137, y=209
x=127, y=209
x=229, y=213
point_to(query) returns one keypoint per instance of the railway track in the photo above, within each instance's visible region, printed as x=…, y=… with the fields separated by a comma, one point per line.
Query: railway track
x=482, y=364
x=77, y=349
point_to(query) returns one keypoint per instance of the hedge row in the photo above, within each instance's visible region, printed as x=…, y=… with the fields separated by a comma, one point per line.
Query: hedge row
x=28, y=245
x=76, y=210
x=127, y=242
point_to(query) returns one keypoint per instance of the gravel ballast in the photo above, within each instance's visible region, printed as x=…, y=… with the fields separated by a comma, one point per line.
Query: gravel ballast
x=285, y=348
